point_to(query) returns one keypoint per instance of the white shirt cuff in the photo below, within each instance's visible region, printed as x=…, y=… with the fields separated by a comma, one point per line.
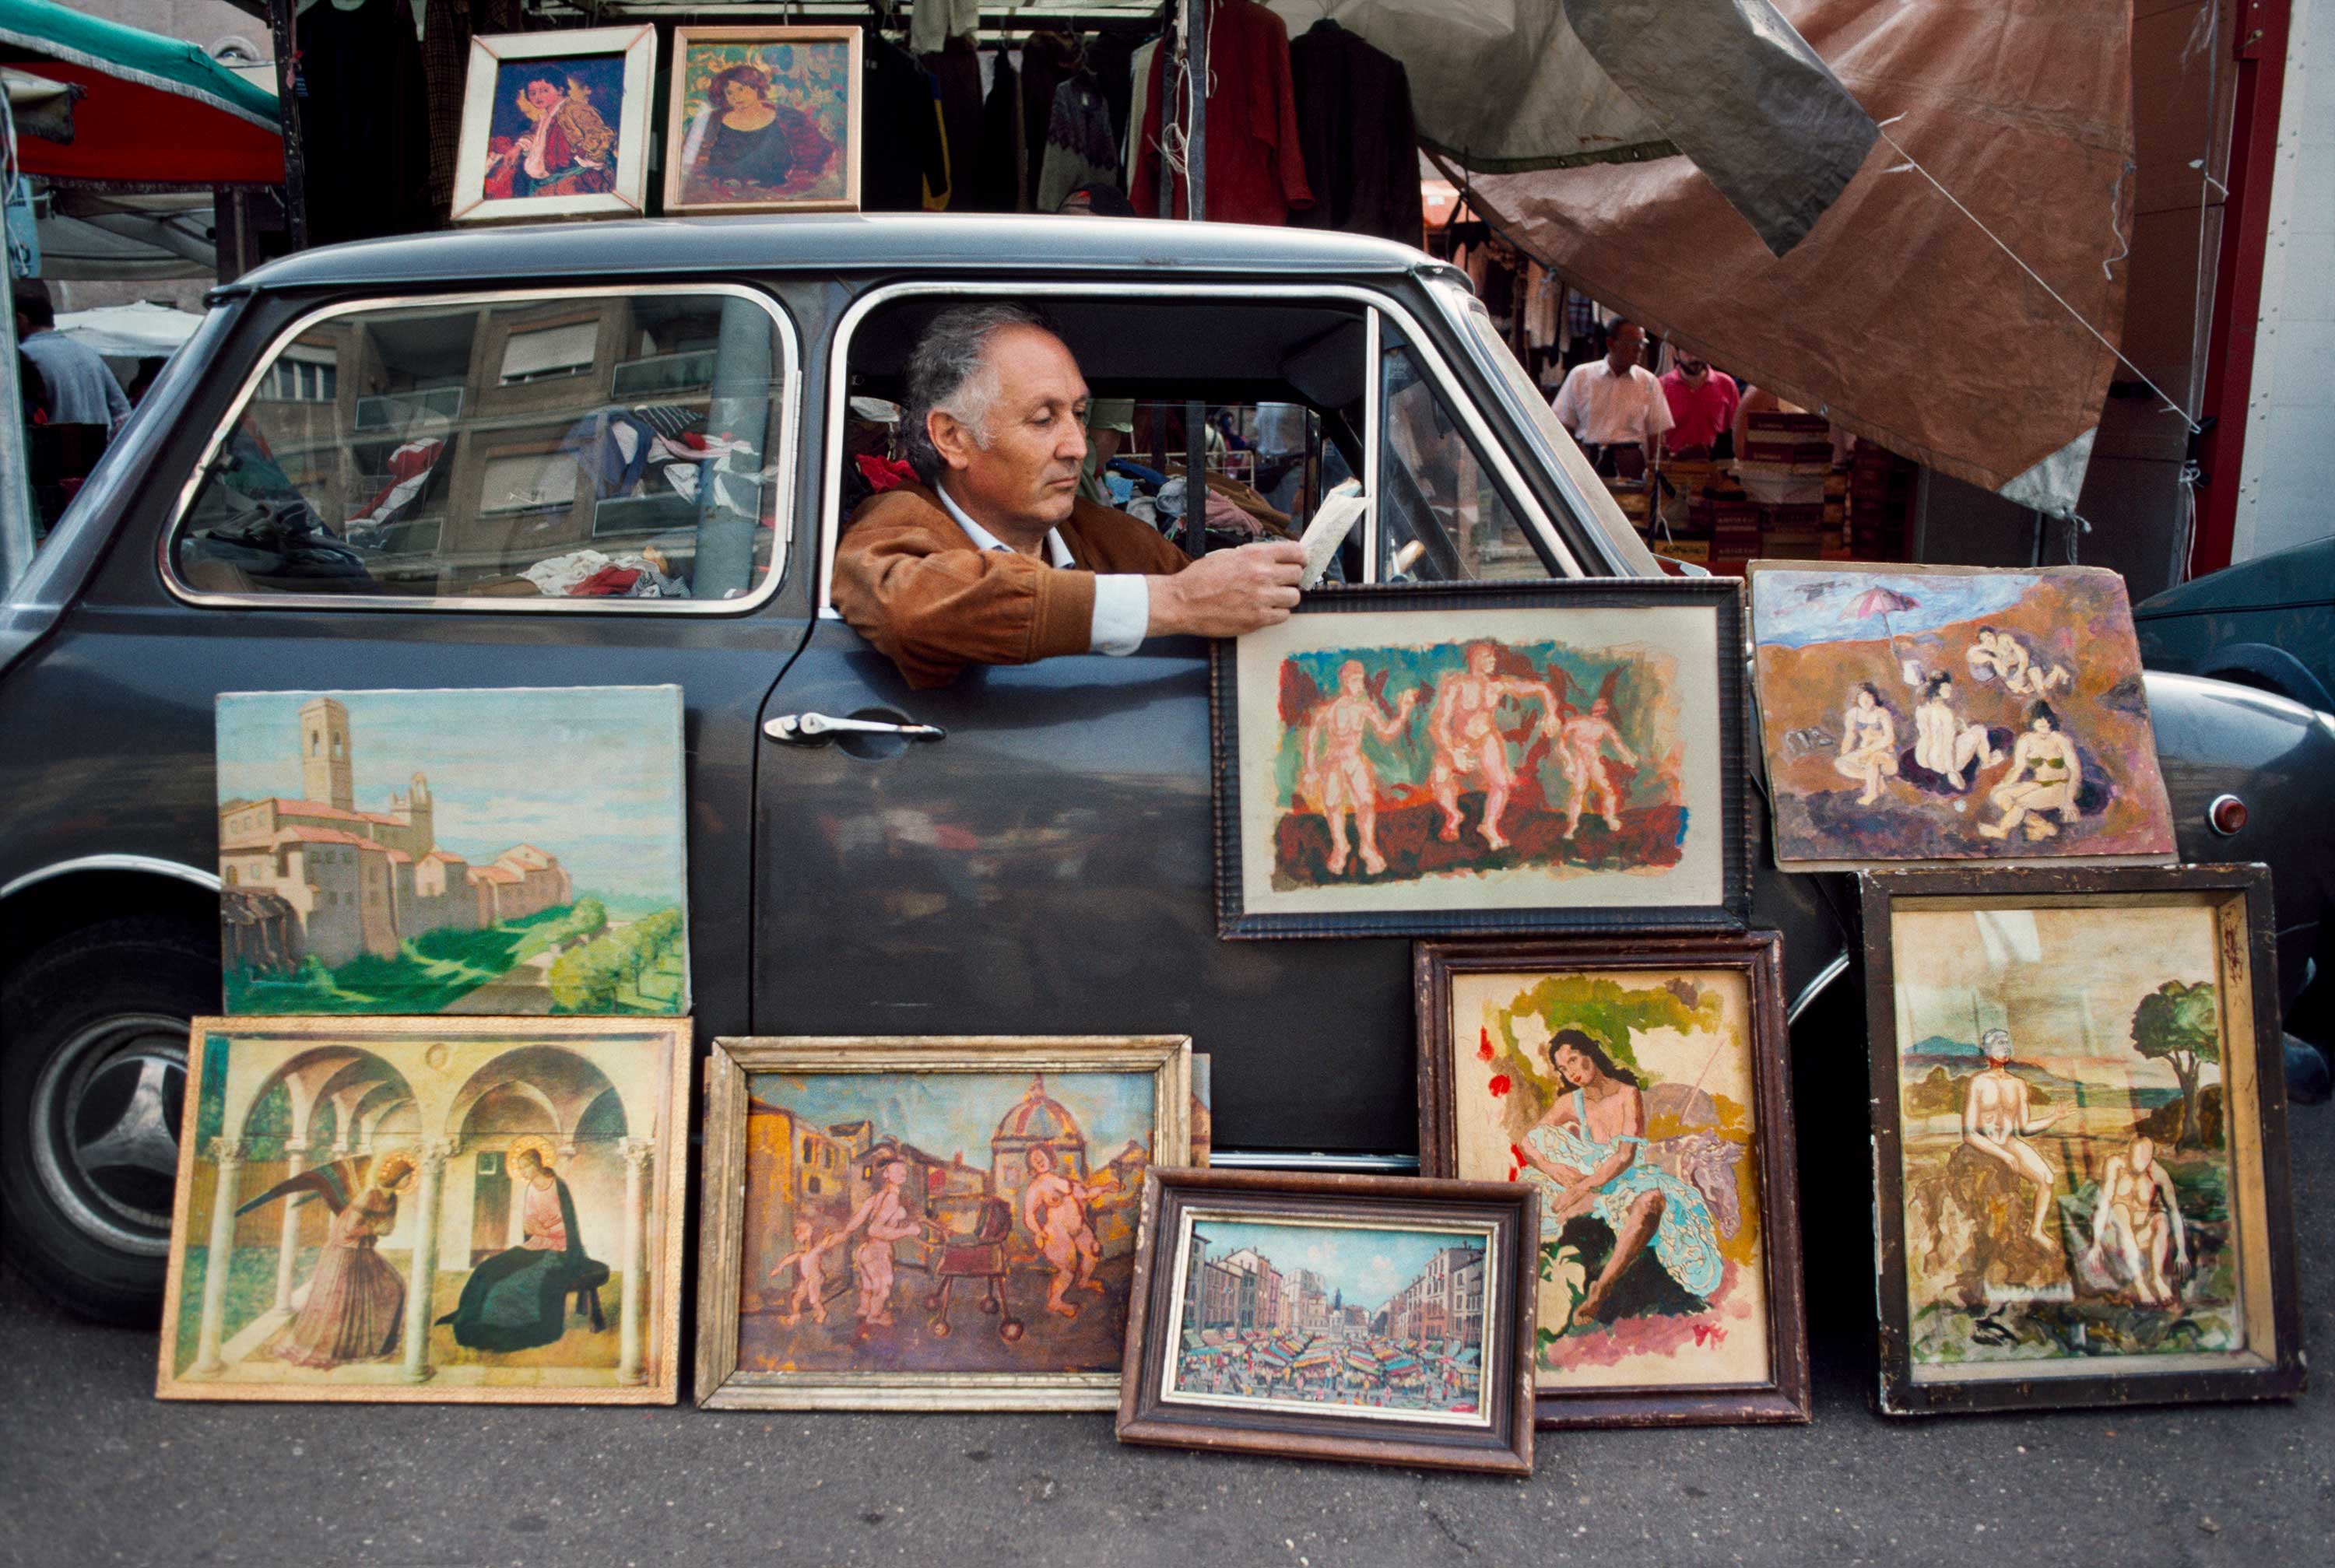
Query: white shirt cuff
x=1122, y=612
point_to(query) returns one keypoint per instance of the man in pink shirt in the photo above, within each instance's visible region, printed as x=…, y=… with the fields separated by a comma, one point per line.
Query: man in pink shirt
x=1702, y=406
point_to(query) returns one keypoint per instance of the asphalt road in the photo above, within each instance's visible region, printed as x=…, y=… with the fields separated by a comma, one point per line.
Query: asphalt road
x=93, y=1470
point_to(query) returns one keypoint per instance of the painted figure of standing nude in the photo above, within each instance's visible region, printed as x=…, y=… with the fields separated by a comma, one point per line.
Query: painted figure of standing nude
x=1465, y=725
x=1582, y=741
x=1338, y=776
x=884, y=1219
x=1053, y=1208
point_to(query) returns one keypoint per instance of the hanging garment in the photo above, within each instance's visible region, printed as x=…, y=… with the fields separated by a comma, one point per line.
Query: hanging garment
x=957, y=70
x=997, y=179
x=1255, y=159
x=935, y=24
x=1139, y=102
x=364, y=124
x=1080, y=147
x=408, y=473
x=1362, y=148
x=937, y=195
x=446, y=29
x=1110, y=56
x=901, y=134
x=1049, y=58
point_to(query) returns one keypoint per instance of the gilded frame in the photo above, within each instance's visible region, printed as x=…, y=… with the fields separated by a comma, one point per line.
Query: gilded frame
x=677, y=124
x=721, y=1384
x=1757, y=957
x=660, y=1348
x=2253, y=1068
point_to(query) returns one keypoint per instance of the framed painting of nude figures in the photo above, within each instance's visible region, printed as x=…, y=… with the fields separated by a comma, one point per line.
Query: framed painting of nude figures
x=461, y=1210
x=937, y=1224
x=1637, y=1088
x=2079, y=1139
x=1937, y=715
x=1484, y=758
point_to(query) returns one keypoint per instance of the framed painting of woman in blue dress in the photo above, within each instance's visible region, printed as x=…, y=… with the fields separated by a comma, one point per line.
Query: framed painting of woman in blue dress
x=1637, y=1088
x=763, y=120
x=556, y=125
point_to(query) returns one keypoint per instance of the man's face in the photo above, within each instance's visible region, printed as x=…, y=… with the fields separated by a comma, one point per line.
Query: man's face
x=896, y=1174
x=1349, y=679
x=1479, y=660
x=1694, y=369
x=1626, y=345
x=1025, y=471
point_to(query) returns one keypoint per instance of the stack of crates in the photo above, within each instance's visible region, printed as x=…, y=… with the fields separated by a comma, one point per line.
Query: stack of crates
x=1880, y=503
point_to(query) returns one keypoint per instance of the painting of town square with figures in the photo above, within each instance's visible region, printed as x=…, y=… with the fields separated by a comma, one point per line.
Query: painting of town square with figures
x=427, y=852
x=1931, y=715
x=428, y=1209
x=1640, y=1094
x=944, y=1227
x=1555, y=760
x=2077, y=1183
x=1332, y=1317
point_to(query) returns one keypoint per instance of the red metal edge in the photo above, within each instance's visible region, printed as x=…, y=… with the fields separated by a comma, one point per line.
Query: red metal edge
x=2260, y=51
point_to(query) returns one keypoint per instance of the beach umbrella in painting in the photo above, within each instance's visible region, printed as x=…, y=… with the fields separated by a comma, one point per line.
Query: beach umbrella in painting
x=1884, y=602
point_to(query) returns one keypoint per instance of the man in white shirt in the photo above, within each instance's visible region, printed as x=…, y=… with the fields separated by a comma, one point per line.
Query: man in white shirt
x=1614, y=406
x=82, y=389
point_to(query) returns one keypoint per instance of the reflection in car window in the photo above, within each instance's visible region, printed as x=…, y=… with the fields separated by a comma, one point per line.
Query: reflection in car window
x=1442, y=515
x=610, y=448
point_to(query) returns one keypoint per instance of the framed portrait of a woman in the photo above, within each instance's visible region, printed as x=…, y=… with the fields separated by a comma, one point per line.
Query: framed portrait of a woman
x=556, y=125
x=763, y=120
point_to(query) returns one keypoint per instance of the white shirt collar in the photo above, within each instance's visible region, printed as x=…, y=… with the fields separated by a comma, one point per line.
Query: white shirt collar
x=1058, y=553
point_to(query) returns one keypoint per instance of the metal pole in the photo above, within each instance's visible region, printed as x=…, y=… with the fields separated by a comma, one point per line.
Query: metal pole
x=1196, y=148
x=288, y=106
x=15, y=483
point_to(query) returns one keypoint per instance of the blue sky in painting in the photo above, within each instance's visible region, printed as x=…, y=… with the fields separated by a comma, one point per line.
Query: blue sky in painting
x=1796, y=608
x=1368, y=1265
x=590, y=774
x=950, y=1113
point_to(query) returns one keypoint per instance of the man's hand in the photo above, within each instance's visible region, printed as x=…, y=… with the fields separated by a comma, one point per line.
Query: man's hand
x=1228, y=592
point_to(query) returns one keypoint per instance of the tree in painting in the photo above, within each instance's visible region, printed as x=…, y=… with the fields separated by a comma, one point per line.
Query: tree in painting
x=2180, y=1025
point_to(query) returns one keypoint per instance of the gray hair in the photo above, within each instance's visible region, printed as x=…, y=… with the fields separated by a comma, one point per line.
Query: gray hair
x=951, y=370
x=1996, y=1044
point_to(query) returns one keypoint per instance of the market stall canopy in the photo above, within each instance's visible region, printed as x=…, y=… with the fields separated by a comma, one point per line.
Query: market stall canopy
x=142, y=329
x=100, y=235
x=154, y=111
x=1902, y=318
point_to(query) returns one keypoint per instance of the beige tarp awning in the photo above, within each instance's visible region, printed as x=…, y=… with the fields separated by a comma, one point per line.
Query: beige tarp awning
x=1898, y=315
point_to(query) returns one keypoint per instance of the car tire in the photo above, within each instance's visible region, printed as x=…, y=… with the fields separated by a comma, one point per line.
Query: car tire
x=93, y=1083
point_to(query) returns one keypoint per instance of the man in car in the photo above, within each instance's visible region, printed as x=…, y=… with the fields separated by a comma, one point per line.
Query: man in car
x=993, y=558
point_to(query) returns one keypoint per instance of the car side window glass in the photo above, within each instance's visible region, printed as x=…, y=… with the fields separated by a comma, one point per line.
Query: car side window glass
x=605, y=448
x=1442, y=515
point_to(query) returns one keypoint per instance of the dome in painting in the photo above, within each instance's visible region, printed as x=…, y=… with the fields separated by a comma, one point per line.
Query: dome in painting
x=1037, y=1118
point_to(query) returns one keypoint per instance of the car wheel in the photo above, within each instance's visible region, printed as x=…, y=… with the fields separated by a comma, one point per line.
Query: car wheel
x=92, y=1082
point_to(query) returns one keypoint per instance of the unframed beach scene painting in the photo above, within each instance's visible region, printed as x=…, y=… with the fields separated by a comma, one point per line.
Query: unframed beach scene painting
x=1658, y=1274
x=1951, y=714
x=1330, y=1318
x=423, y=852
x=2068, y=1147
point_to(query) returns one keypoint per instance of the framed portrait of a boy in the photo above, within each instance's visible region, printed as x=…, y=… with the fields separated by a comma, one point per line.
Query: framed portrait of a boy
x=763, y=120
x=1478, y=759
x=1637, y=1088
x=556, y=125
x=2079, y=1139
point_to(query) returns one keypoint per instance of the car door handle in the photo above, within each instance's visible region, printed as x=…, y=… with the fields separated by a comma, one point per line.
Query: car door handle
x=813, y=729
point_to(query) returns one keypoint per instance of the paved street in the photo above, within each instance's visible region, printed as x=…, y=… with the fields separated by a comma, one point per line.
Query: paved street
x=97, y=1472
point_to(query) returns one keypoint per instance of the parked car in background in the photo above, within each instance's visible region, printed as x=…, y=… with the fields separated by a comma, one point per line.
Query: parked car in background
x=387, y=466
x=2268, y=623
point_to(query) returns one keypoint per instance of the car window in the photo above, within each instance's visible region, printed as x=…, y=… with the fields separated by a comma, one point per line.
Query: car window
x=1442, y=515
x=611, y=447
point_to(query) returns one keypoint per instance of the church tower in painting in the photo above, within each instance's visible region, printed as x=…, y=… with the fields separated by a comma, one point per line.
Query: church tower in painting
x=326, y=769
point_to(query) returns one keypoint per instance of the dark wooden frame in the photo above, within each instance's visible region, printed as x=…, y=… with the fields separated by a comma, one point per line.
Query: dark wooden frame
x=2276, y=1374
x=1722, y=596
x=1759, y=957
x=1504, y=1448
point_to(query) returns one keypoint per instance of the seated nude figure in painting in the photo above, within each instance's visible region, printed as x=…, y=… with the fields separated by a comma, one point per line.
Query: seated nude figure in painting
x=1997, y=1124
x=1338, y=775
x=1053, y=1207
x=2139, y=1223
x=1464, y=723
x=1868, y=742
x=2046, y=775
x=1942, y=743
x=1583, y=1155
x=2000, y=655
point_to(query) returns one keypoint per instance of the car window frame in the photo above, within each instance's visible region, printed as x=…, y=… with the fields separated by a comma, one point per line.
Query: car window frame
x=787, y=447
x=1378, y=305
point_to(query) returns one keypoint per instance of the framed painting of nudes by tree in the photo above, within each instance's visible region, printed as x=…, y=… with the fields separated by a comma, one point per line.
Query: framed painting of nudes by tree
x=1940, y=715
x=1637, y=1088
x=1476, y=759
x=461, y=1210
x=1378, y=1319
x=928, y=1223
x=2079, y=1139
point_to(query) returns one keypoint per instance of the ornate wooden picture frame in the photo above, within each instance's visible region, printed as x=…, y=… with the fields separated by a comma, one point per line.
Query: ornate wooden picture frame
x=441, y=1209
x=1378, y=1319
x=1485, y=758
x=2080, y=1177
x=938, y=1222
x=1670, y=1294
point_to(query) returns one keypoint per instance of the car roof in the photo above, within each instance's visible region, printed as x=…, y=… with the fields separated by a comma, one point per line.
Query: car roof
x=830, y=242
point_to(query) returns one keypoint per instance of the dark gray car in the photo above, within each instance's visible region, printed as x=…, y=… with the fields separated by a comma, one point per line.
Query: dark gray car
x=345, y=478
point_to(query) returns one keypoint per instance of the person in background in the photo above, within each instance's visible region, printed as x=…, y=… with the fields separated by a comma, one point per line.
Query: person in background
x=1702, y=406
x=1110, y=425
x=82, y=389
x=1613, y=406
x=1097, y=201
